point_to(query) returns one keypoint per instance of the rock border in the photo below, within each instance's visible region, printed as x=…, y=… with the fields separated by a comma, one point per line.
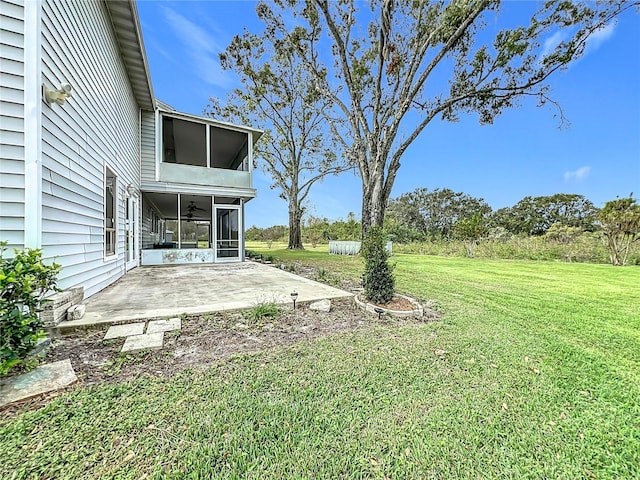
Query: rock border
x=418, y=310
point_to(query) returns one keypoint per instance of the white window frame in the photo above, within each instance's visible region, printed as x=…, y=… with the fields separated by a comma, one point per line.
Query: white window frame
x=110, y=255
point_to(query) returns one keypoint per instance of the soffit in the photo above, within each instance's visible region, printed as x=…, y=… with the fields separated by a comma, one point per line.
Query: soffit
x=126, y=25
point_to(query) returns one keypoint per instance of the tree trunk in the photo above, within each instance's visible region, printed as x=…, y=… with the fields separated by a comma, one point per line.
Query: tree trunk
x=295, y=233
x=374, y=204
x=470, y=246
x=614, y=252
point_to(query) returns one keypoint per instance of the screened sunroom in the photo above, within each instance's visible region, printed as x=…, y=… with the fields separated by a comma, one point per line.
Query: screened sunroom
x=192, y=212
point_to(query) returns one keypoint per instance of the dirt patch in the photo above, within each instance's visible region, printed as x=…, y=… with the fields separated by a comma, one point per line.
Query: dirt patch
x=206, y=339
x=396, y=303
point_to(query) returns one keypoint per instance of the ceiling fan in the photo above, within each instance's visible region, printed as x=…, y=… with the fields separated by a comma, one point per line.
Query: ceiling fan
x=191, y=209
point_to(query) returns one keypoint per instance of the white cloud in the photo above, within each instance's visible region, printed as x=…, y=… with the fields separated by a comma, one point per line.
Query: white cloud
x=599, y=37
x=593, y=43
x=552, y=42
x=201, y=47
x=578, y=175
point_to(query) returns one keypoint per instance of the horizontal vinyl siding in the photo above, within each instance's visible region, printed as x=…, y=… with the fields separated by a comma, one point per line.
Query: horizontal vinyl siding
x=148, y=237
x=97, y=126
x=12, y=181
x=148, y=146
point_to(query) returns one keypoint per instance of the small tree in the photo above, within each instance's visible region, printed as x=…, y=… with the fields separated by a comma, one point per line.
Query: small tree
x=24, y=282
x=470, y=231
x=620, y=220
x=378, y=279
x=317, y=229
x=275, y=233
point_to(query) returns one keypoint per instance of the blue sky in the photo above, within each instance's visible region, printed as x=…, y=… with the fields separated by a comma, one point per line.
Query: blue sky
x=522, y=153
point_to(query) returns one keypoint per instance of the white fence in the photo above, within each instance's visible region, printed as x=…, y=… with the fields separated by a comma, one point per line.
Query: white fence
x=343, y=247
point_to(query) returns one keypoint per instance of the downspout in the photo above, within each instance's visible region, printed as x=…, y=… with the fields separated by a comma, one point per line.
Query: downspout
x=138, y=233
x=179, y=225
x=242, y=244
x=33, y=124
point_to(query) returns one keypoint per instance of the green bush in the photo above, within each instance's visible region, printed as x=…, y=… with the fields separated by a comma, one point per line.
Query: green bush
x=378, y=278
x=24, y=282
x=262, y=311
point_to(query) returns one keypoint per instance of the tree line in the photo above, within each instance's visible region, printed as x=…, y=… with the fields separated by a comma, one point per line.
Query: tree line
x=424, y=214
x=442, y=215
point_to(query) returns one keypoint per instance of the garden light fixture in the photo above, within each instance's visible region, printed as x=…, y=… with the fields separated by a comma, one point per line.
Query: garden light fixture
x=294, y=297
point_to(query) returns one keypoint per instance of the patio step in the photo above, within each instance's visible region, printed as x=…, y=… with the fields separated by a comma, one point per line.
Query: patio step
x=93, y=322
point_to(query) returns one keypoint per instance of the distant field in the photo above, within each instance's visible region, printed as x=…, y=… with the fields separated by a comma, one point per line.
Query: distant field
x=279, y=246
x=533, y=372
x=587, y=248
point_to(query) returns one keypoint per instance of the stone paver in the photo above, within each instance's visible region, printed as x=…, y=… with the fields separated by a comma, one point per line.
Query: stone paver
x=147, y=341
x=321, y=306
x=117, y=331
x=45, y=378
x=156, y=326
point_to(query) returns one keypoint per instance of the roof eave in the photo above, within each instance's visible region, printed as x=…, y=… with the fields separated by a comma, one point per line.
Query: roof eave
x=212, y=121
x=126, y=26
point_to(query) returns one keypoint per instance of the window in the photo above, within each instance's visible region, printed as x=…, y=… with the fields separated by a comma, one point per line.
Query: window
x=155, y=223
x=184, y=142
x=110, y=189
x=192, y=143
x=229, y=149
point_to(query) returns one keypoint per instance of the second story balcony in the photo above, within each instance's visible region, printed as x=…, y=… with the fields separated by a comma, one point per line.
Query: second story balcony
x=197, y=151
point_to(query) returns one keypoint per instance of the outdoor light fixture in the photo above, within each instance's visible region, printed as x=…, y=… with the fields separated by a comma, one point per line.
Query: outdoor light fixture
x=294, y=297
x=379, y=311
x=58, y=96
x=130, y=190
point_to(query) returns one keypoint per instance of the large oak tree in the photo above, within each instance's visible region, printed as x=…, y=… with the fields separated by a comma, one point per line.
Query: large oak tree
x=277, y=95
x=382, y=68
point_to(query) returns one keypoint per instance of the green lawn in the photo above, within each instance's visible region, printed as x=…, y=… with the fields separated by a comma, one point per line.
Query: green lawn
x=540, y=379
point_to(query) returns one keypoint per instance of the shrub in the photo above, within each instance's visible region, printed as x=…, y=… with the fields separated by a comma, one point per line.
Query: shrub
x=262, y=311
x=470, y=231
x=322, y=275
x=620, y=221
x=378, y=278
x=24, y=282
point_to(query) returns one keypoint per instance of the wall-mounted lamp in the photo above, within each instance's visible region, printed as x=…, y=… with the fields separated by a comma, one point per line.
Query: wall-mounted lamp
x=59, y=96
x=131, y=190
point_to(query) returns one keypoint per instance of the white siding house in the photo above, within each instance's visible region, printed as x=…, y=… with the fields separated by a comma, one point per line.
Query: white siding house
x=12, y=104
x=108, y=178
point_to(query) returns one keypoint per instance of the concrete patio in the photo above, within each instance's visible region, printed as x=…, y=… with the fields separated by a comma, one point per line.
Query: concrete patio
x=169, y=291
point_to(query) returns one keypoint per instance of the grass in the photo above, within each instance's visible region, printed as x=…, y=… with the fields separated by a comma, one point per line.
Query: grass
x=534, y=372
x=262, y=311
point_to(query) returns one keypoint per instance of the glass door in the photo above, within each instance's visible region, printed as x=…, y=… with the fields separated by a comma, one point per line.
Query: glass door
x=227, y=234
